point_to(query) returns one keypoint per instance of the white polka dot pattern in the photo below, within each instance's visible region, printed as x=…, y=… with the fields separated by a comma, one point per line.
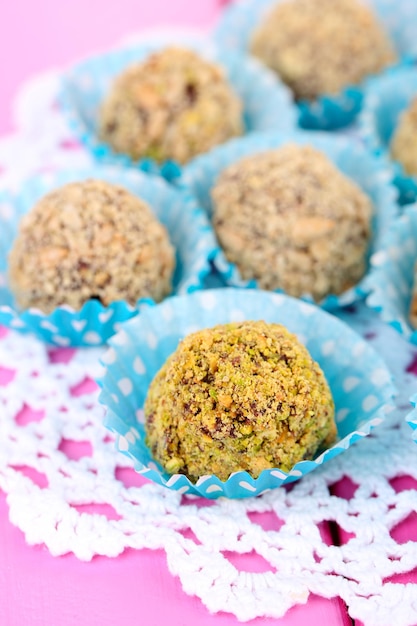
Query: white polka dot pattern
x=391, y=279
x=359, y=400
x=370, y=173
x=188, y=228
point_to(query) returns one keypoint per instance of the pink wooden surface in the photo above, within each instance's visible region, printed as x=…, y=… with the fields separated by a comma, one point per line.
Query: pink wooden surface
x=37, y=589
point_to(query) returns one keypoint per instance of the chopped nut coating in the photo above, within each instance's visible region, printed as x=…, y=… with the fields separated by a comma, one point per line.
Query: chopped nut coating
x=265, y=403
x=90, y=240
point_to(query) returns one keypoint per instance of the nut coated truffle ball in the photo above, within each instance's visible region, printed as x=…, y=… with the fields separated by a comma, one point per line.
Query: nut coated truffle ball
x=244, y=396
x=289, y=219
x=89, y=240
x=174, y=105
x=321, y=46
x=404, y=140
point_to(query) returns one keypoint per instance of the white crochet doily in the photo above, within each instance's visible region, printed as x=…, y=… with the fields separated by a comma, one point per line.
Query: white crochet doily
x=58, y=461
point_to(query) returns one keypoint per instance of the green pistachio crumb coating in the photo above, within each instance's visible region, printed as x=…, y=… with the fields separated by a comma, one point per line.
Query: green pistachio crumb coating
x=242, y=396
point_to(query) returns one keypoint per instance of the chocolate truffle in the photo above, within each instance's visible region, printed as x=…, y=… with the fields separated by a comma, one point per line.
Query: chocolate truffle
x=242, y=396
x=321, y=46
x=291, y=220
x=174, y=106
x=87, y=240
x=404, y=140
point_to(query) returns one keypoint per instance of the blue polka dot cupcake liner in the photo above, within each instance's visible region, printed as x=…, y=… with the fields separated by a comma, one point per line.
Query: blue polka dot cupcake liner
x=399, y=18
x=387, y=96
x=411, y=418
x=267, y=102
x=392, y=274
x=189, y=232
x=359, y=380
x=348, y=155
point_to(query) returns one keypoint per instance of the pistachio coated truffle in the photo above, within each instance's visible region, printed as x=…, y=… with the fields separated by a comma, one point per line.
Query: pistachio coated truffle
x=404, y=140
x=87, y=240
x=174, y=106
x=242, y=396
x=291, y=220
x=321, y=46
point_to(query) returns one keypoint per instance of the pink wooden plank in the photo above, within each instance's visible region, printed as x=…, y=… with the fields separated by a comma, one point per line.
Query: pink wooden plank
x=37, y=589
